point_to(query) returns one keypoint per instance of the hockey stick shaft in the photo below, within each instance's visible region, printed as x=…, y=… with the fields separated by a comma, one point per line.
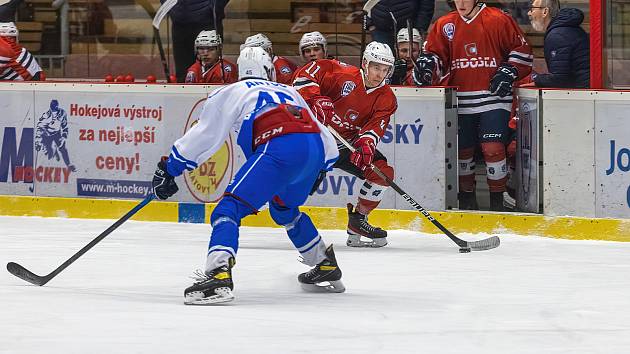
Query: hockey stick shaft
x=481, y=245
x=159, y=16
x=32, y=278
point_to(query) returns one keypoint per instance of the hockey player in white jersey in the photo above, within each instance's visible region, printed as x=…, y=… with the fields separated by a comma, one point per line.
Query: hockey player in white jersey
x=286, y=148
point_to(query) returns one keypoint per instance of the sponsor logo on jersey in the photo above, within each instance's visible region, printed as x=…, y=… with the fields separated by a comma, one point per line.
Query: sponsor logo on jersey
x=553, y=53
x=191, y=77
x=473, y=63
x=471, y=49
x=285, y=70
x=207, y=182
x=449, y=31
x=347, y=87
x=227, y=68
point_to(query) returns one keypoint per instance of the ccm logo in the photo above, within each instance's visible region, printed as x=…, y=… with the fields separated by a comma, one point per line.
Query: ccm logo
x=268, y=134
x=489, y=136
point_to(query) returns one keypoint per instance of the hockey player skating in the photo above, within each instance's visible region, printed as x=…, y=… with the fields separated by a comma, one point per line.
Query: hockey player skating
x=285, y=69
x=482, y=51
x=51, y=134
x=285, y=148
x=403, y=67
x=210, y=67
x=358, y=104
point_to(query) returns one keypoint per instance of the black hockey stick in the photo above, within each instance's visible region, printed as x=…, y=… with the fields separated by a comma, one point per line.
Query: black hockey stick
x=159, y=16
x=33, y=278
x=367, y=11
x=465, y=246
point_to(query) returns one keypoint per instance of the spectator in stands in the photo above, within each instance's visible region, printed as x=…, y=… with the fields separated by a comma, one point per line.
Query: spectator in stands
x=284, y=67
x=8, y=9
x=381, y=24
x=210, y=66
x=16, y=62
x=566, y=45
x=190, y=17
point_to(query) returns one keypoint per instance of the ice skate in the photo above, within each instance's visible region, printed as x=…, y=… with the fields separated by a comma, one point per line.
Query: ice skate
x=324, y=277
x=210, y=288
x=361, y=233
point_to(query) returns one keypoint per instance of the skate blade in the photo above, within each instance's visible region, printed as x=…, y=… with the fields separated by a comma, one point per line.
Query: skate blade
x=221, y=295
x=335, y=286
x=355, y=241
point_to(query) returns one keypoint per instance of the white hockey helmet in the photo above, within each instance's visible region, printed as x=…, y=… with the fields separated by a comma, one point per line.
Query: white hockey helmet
x=378, y=53
x=258, y=40
x=8, y=29
x=403, y=36
x=207, y=39
x=312, y=39
x=255, y=62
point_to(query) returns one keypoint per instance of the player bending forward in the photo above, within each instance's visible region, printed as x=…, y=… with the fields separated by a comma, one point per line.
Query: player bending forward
x=358, y=104
x=285, y=149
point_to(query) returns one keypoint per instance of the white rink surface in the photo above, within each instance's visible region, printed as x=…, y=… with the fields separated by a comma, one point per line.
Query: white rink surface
x=417, y=295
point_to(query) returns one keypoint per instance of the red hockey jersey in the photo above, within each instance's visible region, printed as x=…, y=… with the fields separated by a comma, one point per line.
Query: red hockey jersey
x=359, y=111
x=470, y=51
x=284, y=70
x=212, y=75
x=13, y=66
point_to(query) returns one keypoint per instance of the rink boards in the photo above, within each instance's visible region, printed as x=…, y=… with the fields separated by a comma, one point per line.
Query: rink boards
x=565, y=227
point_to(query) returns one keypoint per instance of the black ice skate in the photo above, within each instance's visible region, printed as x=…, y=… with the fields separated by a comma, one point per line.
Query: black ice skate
x=211, y=288
x=358, y=227
x=324, y=277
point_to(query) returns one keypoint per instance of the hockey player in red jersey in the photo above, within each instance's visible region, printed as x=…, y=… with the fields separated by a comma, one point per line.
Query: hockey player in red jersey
x=403, y=67
x=285, y=69
x=482, y=51
x=16, y=62
x=210, y=67
x=358, y=104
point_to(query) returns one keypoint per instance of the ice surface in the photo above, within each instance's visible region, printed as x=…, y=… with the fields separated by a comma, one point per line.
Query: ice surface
x=417, y=295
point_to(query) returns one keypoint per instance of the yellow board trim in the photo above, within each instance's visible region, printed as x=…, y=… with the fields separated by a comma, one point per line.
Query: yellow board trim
x=574, y=228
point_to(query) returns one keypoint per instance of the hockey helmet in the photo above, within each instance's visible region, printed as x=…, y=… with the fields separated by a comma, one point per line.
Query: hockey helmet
x=255, y=62
x=207, y=39
x=258, y=40
x=312, y=39
x=378, y=53
x=8, y=29
x=403, y=36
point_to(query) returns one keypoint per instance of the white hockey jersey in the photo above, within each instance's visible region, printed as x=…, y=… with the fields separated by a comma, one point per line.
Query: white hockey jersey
x=226, y=109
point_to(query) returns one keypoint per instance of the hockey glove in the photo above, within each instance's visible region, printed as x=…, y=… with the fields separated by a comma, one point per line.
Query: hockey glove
x=502, y=81
x=164, y=185
x=323, y=108
x=400, y=71
x=363, y=156
x=424, y=70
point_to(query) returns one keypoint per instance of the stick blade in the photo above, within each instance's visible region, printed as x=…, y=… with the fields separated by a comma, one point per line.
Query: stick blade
x=25, y=274
x=485, y=244
x=162, y=12
x=369, y=5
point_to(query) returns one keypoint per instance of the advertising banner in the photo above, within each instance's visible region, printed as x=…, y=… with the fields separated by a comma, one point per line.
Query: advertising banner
x=98, y=140
x=17, y=176
x=612, y=159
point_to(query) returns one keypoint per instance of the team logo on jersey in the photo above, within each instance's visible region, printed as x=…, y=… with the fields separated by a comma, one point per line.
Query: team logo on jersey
x=449, y=31
x=207, y=182
x=471, y=49
x=191, y=77
x=351, y=114
x=285, y=70
x=347, y=87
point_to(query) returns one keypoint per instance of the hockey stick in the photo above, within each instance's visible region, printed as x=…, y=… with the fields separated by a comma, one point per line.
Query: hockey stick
x=33, y=278
x=159, y=16
x=395, y=34
x=410, y=32
x=220, y=35
x=465, y=246
x=367, y=11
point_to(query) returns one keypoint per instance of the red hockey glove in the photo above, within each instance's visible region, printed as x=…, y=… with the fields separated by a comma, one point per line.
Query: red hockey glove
x=323, y=108
x=363, y=156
